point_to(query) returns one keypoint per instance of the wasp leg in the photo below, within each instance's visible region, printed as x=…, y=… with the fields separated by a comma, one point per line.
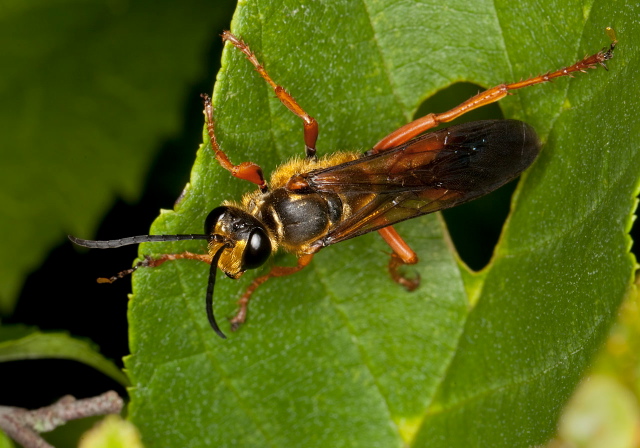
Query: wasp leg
x=149, y=262
x=310, y=124
x=276, y=271
x=402, y=254
x=416, y=127
x=246, y=170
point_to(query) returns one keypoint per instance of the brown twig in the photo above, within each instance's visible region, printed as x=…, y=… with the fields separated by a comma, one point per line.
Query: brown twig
x=23, y=425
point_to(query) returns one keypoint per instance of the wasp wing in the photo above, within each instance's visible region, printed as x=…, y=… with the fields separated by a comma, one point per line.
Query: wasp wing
x=432, y=172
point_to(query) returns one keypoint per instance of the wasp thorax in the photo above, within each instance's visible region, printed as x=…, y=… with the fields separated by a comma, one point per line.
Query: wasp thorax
x=248, y=241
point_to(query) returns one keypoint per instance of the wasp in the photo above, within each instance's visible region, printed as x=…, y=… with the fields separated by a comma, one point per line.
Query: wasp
x=312, y=202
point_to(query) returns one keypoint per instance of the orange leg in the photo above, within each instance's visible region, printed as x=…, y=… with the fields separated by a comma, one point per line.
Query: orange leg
x=276, y=271
x=416, y=127
x=402, y=252
x=149, y=262
x=246, y=170
x=310, y=124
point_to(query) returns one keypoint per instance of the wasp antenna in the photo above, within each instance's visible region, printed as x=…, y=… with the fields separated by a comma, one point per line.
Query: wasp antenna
x=110, y=244
x=209, y=298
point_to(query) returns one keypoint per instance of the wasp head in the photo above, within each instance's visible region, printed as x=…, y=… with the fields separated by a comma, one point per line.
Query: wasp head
x=237, y=242
x=247, y=243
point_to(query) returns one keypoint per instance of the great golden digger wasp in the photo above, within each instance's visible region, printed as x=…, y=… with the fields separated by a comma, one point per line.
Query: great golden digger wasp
x=312, y=203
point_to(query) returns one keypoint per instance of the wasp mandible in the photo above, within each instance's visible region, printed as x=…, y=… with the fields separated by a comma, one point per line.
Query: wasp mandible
x=313, y=202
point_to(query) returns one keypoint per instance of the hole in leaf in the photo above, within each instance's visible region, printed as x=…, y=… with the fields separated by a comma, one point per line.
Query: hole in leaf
x=474, y=227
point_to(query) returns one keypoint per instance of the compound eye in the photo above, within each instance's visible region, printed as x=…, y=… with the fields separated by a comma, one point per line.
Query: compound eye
x=257, y=250
x=213, y=218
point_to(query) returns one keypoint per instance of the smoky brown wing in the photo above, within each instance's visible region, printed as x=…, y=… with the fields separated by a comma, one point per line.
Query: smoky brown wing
x=432, y=172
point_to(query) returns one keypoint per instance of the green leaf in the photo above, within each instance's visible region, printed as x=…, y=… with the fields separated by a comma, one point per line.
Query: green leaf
x=112, y=432
x=19, y=343
x=83, y=109
x=611, y=410
x=339, y=355
x=5, y=441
